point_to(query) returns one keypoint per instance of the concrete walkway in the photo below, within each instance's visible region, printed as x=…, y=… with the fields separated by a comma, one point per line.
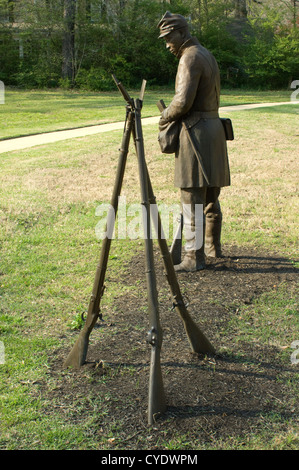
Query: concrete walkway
x=49, y=137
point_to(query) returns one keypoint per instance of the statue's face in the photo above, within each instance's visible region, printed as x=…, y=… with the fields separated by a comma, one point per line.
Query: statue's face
x=174, y=40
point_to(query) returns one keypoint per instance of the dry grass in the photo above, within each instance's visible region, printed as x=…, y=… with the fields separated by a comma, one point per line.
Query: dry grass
x=263, y=194
x=48, y=253
x=261, y=199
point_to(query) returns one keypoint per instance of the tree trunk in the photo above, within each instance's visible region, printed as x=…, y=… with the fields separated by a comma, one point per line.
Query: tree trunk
x=241, y=8
x=11, y=11
x=68, y=40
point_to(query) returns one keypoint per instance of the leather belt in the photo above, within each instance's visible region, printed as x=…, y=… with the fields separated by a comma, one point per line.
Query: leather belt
x=192, y=118
x=205, y=114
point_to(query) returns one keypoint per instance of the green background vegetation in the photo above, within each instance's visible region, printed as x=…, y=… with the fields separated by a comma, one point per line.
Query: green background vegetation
x=79, y=43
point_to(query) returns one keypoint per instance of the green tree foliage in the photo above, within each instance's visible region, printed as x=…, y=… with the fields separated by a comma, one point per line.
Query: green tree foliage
x=255, y=41
x=271, y=56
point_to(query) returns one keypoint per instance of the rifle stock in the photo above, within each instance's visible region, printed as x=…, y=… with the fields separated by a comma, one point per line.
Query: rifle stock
x=77, y=356
x=156, y=396
x=198, y=341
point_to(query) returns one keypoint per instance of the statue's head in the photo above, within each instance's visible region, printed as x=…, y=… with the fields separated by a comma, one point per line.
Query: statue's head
x=174, y=29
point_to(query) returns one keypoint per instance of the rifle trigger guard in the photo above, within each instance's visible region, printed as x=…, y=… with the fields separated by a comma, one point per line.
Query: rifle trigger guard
x=152, y=336
x=176, y=303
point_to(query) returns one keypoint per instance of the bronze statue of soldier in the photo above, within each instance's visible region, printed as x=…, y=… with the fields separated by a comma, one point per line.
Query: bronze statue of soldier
x=196, y=104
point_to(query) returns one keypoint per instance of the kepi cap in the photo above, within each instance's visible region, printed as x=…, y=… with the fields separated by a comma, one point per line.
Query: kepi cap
x=170, y=22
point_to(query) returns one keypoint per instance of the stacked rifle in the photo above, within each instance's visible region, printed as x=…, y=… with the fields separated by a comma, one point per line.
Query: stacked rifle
x=198, y=341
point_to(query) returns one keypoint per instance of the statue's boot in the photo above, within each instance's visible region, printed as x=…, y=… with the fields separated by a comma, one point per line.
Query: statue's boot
x=194, y=228
x=194, y=260
x=213, y=235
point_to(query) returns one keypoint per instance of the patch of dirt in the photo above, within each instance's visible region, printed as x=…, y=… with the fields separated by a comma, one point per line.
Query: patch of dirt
x=209, y=398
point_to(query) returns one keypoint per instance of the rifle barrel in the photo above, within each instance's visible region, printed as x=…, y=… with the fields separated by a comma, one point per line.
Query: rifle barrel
x=122, y=90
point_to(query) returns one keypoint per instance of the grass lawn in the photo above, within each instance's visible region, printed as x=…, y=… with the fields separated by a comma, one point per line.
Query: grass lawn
x=32, y=112
x=49, y=252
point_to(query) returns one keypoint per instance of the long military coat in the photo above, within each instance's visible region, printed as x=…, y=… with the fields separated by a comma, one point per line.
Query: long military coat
x=196, y=100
